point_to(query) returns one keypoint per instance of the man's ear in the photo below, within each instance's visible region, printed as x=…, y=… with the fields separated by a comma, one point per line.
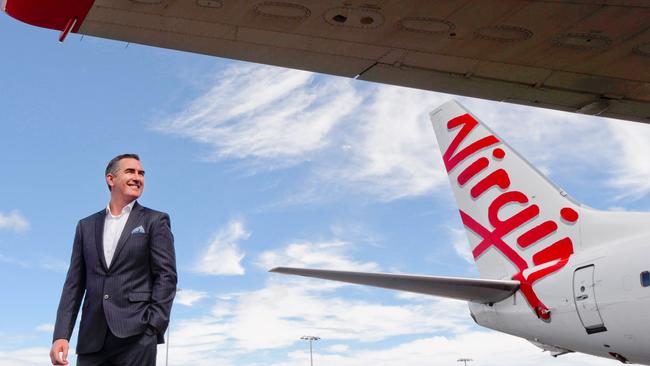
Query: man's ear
x=109, y=180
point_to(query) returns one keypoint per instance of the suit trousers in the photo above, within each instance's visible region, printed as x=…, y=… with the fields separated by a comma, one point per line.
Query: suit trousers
x=139, y=350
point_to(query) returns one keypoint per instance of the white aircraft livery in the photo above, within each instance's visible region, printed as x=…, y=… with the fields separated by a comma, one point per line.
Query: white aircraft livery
x=566, y=277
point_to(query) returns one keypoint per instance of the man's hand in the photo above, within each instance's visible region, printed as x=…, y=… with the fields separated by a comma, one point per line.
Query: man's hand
x=150, y=331
x=60, y=346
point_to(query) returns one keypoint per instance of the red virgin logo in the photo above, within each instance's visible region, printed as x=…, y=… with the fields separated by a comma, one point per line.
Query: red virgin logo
x=545, y=260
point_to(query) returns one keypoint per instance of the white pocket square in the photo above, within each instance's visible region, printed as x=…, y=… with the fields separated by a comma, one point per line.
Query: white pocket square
x=138, y=230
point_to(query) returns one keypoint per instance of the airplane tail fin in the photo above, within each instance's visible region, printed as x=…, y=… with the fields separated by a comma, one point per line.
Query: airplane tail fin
x=520, y=225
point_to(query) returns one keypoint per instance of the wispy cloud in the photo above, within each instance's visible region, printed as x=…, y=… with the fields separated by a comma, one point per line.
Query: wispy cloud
x=461, y=245
x=46, y=328
x=35, y=356
x=555, y=142
x=14, y=261
x=485, y=348
x=329, y=254
x=223, y=255
x=632, y=166
x=375, y=139
x=572, y=145
x=422, y=330
x=286, y=307
x=13, y=220
x=54, y=264
x=338, y=348
x=260, y=112
x=189, y=297
x=392, y=149
x=49, y=264
x=568, y=146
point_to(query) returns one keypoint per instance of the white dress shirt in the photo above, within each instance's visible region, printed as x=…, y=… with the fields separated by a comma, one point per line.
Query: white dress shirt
x=113, y=227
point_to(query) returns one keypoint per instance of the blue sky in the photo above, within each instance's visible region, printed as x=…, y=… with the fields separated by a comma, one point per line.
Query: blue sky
x=262, y=166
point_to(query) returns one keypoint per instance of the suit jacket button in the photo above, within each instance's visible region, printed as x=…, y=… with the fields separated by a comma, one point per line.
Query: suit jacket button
x=106, y=297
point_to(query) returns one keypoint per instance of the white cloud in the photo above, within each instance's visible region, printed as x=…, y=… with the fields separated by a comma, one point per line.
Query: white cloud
x=278, y=314
x=188, y=297
x=281, y=116
x=14, y=261
x=484, y=348
x=632, y=166
x=223, y=256
x=553, y=141
x=13, y=221
x=574, y=146
x=569, y=144
x=329, y=255
x=377, y=139
x=54, y=264
x=393, y=148
x=420, y=330
x=46, y=327
x=47, y=263
x=338, y=348
x=274, y=317
x=287, y=307
x=461, y=245
x=35, y=356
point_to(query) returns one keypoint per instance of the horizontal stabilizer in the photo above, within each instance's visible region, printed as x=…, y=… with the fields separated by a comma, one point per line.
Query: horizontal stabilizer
x=469, y=289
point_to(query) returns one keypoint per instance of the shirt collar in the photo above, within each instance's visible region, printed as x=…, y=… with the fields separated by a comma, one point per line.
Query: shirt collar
x=125, y=210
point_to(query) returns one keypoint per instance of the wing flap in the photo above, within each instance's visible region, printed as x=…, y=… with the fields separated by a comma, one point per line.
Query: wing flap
x=468, y=289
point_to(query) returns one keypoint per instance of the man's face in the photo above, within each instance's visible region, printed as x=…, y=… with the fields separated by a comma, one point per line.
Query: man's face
x=129, y=180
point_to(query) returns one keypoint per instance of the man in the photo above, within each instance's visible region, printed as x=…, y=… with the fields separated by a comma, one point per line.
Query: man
x=123, y=266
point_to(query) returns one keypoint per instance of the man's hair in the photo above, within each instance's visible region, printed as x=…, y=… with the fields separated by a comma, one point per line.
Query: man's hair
x=113, y=165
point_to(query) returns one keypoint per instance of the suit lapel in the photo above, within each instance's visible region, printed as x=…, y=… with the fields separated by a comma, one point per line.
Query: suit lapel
x=100, y=218
x=134, y=219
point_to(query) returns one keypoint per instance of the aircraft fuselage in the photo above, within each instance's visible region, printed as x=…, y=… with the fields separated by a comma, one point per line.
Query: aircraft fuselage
x=598, y=304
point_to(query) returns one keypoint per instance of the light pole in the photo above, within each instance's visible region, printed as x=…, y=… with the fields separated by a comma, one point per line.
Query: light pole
x=465, y=360
x=169, y=331
x=310, y=339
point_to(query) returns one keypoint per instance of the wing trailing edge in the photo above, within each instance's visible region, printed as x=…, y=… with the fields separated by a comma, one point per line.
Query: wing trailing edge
x=468, y=289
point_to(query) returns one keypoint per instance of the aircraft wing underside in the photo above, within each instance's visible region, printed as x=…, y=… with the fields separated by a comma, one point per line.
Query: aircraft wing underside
x=469, y=289
x=587, y=56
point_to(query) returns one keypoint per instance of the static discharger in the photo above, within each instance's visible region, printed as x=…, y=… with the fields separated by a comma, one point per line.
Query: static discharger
x=68, y=27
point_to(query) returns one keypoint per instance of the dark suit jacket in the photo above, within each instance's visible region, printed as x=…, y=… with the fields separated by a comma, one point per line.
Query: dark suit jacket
x=132, y=295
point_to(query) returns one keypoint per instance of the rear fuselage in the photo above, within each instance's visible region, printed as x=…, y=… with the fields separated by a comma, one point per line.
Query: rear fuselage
x=598, y=304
